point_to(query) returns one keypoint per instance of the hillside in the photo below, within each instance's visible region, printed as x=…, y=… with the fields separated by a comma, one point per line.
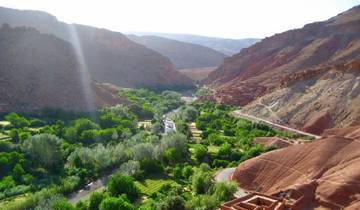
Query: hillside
x=226, y=46
x=325, y=171
x=109, y=56
x=197, y=74
x=41, y=71
x=181, y=54
x=308, y=77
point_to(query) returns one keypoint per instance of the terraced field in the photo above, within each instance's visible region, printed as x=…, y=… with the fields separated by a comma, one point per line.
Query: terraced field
x=150, y=186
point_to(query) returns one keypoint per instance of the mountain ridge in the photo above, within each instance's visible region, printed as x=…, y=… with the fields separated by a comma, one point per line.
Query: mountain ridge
x=182, y=54
x=254, y=77
x=226, y=46
x=41, y=71
x=109, y=56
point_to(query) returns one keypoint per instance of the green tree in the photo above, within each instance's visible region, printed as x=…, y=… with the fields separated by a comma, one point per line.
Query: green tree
x=189, y=114
x=18, y=171
x=95, y=200
x=173, y=156
x=187, y=171
x=174, y=202
x=225, y=150
x=112, y=203
x=201, y=182
x=200, y=152
x=177, y=173
x=16, y=120
x=120, y=184
x=224, y=191
x=45, y=150
x=63, y=204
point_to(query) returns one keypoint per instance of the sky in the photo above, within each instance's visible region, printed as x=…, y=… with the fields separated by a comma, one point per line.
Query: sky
x=215, y=18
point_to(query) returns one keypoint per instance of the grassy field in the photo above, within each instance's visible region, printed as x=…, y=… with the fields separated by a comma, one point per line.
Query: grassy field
x=145, y=124
x=213, y=149
x=149, y=186
x=3, y=123
x=196, y=133
x=15, y=202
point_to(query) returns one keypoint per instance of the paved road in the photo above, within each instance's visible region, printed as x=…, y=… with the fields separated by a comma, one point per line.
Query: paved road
x=225, y=175
x=85, y=192
x=238, y=113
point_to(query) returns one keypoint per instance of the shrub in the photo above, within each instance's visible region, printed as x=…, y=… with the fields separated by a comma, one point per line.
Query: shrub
x=95, y=200
x=200, y=152
x=120, y=184
x=112, y=203
x=224, y=191
x=16, y=120
x=201, y=182
x=174, y=202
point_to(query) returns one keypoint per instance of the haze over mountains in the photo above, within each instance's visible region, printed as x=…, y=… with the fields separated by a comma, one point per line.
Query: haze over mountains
x=308, y=78
x=108, y=56
x=223, y=45
x=182, y=54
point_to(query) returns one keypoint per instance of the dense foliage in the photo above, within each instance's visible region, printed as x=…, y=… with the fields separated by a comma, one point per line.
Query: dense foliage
x=45, y=158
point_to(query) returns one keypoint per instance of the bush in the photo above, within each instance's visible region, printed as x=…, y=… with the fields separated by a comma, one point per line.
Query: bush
x=120, y=184
x=17, y=190
x=200, y=152
x=69, y=184
x=131, y=168
x=63, y=205
x=112, y=203
x=224, y=191
x=220, y=163
x=7, y=183
x=201, y=182
x=16, y=120
x=187, y=171
x=95, y=200
x=171, y=203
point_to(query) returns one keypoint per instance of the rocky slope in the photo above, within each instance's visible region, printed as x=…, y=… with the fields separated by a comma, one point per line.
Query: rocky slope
x=226, y=46
x=325, y=171
x=308, y=77
x=109, y=56
x=182, y=54
x=41, y=71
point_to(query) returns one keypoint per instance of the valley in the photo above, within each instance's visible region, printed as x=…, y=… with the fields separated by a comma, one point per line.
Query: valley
x=90, y=149
x=95, y=118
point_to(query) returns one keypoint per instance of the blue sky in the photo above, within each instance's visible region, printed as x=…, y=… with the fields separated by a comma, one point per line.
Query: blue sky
x=218, y=18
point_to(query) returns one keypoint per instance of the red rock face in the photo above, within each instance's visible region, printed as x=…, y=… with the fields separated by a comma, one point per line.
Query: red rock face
x=318, y=124
x=325, y=171
x=291, y=62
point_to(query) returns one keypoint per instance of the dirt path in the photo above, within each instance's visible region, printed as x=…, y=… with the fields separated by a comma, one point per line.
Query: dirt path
x=238, y=113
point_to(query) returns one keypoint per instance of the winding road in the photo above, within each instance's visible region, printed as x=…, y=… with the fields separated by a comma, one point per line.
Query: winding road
x=225, y=175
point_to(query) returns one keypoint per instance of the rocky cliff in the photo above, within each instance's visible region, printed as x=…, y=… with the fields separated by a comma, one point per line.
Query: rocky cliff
x=301, y=76
x=183, y=55
x=41, y=71
x=326, y=171
x=109, y=56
